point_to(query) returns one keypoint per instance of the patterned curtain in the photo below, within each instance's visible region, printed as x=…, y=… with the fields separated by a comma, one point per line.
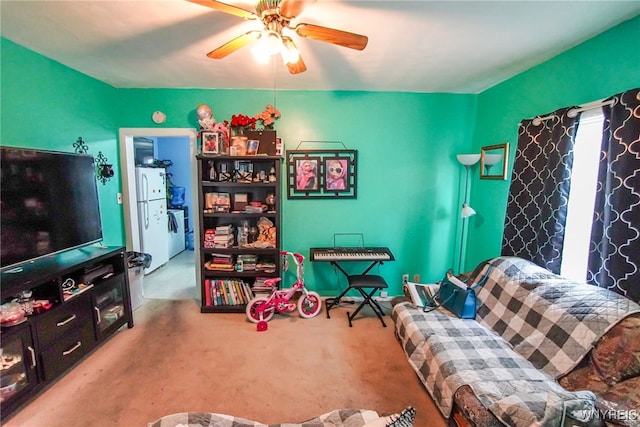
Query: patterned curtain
x=614, y=255
x=539, y=191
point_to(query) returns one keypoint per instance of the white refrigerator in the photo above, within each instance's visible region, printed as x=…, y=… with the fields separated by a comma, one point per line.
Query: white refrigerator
x=152, y=215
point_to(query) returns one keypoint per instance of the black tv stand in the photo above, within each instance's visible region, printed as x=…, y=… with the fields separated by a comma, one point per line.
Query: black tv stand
x=46, y=345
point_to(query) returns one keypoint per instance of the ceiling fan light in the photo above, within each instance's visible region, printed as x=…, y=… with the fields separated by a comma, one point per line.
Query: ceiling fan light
x=273, y=42
x=260, y=54
x=290, y=54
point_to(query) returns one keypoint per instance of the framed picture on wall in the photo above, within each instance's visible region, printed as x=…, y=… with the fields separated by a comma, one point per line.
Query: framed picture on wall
x=210, y=142
x=322, y=174
x=307, y=177
x=336, y=174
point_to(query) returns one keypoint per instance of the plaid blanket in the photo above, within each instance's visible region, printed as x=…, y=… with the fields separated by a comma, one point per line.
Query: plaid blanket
x=551, y=321
x=447, y=352
x=337, y=418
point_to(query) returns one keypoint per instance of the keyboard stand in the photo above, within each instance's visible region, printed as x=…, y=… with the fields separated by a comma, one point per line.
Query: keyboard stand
x=366, y=285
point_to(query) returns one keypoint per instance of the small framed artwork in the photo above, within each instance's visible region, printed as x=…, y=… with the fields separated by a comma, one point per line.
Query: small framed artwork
x=322, y=174
x=307, y=177
x=336, y=174
x=493, y=161
x=210, y=142
x=252, y=147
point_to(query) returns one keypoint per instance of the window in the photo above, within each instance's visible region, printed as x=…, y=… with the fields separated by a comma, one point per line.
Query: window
x=582, y=196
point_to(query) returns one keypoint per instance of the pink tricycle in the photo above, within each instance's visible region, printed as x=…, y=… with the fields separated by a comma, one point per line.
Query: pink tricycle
x=262, y=308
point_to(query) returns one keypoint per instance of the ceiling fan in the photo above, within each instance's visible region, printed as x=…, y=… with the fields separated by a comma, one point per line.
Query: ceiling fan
x=275, y=37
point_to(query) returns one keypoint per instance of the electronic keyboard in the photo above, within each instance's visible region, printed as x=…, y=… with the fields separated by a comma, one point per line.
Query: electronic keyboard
x=336, y=254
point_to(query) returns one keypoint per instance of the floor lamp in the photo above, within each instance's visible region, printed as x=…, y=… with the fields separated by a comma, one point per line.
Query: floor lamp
x=467, y=160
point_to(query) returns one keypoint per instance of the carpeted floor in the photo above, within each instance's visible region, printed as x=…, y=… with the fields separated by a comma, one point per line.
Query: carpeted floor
x=176, y=359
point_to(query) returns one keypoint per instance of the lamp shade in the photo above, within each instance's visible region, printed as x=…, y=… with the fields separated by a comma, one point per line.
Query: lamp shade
x=467, y=211
x=468, y=159
x=492, y=159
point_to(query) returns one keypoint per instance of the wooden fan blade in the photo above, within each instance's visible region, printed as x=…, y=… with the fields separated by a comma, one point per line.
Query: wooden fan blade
x=292, y=8
x=234, y=45
x=297, y=67
x=289, y=52
x=330, y=35
x=226, y=8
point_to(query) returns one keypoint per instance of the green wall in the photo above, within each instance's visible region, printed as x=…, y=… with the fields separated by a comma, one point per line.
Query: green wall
x=47, y=105
x=596, y=69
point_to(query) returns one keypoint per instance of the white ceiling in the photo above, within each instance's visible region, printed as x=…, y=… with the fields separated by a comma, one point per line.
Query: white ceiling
x=414, y=46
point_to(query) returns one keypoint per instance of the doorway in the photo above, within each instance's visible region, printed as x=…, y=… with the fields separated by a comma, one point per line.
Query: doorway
x=131, y=224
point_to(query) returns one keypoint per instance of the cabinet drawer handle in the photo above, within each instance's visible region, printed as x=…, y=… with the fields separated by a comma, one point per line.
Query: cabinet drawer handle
x=98, y=319
x=72, y=349
x=64, y=322
x=33, y=356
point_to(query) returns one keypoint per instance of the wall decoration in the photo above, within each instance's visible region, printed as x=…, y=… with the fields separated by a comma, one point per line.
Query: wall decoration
x=211, y=142
x=321, y=174
x=336, y=177
x=306, y=174
x=104, y=170
x=80, y=146
x=494, y=161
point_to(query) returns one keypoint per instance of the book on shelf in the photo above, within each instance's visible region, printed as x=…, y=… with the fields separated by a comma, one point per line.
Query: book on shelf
x=266, y=266
x=255, y=209
x=208, y=292
x=220, y=263
x=247, y=291
x=259, y=286
x=240, y=293
x=221, y=292
x=420, y=293
x=248, y=261
x=223, y=229
x=219, y=258
x=227, y=287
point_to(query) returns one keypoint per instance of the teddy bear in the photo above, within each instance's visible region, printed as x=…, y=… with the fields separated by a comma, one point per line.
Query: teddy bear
x=266, y=233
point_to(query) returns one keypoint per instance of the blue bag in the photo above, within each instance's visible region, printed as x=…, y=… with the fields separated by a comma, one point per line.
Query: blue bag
x=456, y=296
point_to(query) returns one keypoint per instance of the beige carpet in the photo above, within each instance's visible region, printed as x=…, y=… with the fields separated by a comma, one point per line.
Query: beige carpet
x=176, y=359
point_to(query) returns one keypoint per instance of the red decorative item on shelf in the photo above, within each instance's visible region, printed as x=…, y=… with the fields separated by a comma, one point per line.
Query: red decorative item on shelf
x=241, y=122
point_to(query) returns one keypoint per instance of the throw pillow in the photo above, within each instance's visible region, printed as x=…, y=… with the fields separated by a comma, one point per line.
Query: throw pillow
x=403, y=419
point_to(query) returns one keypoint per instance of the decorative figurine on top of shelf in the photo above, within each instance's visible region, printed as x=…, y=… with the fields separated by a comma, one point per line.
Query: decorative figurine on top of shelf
x=205, y=117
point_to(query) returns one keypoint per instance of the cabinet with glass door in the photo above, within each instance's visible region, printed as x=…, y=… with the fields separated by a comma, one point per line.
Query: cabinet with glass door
x=18, y=374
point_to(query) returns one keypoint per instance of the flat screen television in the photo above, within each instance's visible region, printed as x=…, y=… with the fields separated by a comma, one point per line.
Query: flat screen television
x=48, y=204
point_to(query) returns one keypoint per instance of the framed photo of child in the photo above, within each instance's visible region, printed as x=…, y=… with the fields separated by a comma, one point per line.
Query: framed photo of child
x=336, y=174
x=211, y=142
x=306, y=176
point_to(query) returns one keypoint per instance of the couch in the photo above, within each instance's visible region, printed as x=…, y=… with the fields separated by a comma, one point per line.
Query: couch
x=542, y=350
